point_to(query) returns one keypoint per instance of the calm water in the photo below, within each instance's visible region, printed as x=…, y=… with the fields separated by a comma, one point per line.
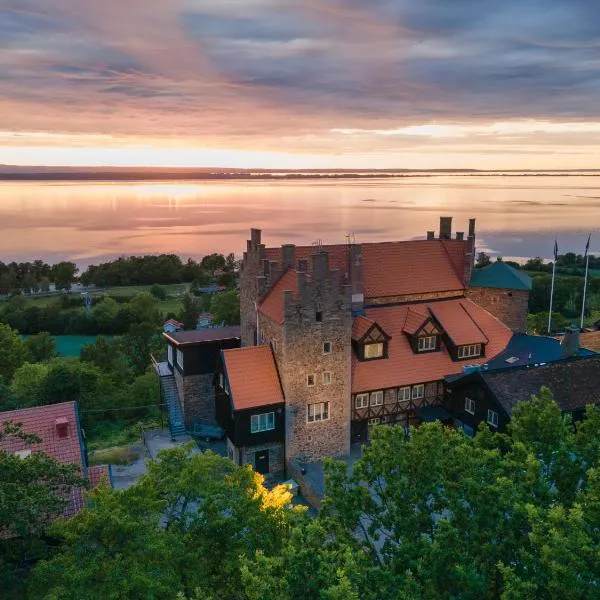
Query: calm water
x=516, y=216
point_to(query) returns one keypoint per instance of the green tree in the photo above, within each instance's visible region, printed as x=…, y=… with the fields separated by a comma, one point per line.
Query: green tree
x=139, y=344
x=159, y=291
x=212, y=262
x=108, y=356
x=64, y=274
x=28, y=384
x=41, y=347
x=105, y=314
x=191, y=312
x=483, y=260
x=187, y=524
x=225, y=308
x=13, y=352
x=144, y=308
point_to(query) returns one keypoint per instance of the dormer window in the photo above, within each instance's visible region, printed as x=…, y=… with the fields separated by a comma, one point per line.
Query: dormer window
x=373, y=350
x=427, y=343
x=469, y=351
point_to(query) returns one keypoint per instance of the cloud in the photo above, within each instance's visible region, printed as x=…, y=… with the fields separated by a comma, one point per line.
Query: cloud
x=295, y=76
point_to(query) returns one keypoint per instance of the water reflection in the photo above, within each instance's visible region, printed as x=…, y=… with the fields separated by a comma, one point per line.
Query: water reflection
x=516, y=216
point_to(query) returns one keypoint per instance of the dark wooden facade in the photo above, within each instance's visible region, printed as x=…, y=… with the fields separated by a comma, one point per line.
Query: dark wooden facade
x=201, y=358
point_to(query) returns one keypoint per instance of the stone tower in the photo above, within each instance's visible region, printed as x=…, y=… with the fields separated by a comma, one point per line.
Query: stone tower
x=250, y=270
x=314, y=363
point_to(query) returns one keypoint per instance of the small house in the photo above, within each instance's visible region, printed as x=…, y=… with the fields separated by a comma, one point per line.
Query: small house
x=172, y=326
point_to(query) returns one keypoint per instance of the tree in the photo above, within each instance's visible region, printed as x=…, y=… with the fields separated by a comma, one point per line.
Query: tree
x=144, y=308
x=139, y=344
x=225, y=308
x=538, y=322
x=187, y=524
x=28, y=384
x=41, y=347
x=64, y=274
x=483, y=260
x=212, y=262
x=191, y=312
x=159, y=291
x=13, y=352
x=109, y=357
x=105, y=314
x=442, y=515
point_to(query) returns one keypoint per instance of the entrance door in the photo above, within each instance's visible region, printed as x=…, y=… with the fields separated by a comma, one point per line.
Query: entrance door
x=261, y=462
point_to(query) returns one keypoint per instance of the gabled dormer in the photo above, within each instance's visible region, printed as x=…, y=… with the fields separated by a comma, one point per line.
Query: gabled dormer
x=423, y=332
x=369, y=340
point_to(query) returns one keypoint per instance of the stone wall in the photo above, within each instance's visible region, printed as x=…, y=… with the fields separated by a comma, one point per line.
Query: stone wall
x=376, y=301
x=245, y=455
x=250, y=270
x=197, y=397
x=321, y=313
x=510, y=306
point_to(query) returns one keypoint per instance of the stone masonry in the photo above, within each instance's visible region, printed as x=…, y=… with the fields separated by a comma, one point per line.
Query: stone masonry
x=197, y=396
x=510, y=306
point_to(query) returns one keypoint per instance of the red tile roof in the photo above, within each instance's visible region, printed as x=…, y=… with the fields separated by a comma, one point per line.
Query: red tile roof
x=253, y=378
x=458, y=321
x=403, y=367
x=398, y=268
x=360, y=326
x=415, y=317
x=42, y=421
x=273, y=305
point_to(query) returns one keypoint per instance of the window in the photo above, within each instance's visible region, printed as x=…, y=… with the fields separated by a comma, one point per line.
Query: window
x=373, y=350
x=377, y=398
x=170, y=354
x=470, y=350
x=326, y=377
x=427, y=342
x=374, y=421
x=264, y=422
x=317, y=412
x=418, y=391
x=404, y=394
x=361, y=401
x=326, y=347
x=310, y=380
x=492, y=418
x=179, y=358
x=470, y=405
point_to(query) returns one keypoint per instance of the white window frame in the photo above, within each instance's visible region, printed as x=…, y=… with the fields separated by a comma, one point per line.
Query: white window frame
x=314, y=380
x=330, y=347
x=170, y=354
x=469, y=405
x=179, y=355
x=404, y=394
x=374, y=421
x=426, y=343
x=262, y=422
x=418, y=391
x=376, y=398
x=319, y=410
x=378, y=352
x=469, y=351
x=361, y=401
x=492, y=418
x=327, y=377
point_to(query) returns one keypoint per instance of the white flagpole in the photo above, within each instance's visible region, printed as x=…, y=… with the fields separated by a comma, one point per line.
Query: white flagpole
x=551, y=296
x=587, y=262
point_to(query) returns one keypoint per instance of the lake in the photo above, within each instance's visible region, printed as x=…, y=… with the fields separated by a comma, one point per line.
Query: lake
x=517, y=216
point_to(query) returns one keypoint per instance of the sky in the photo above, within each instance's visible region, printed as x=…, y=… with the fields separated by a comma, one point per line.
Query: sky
x=485, y=84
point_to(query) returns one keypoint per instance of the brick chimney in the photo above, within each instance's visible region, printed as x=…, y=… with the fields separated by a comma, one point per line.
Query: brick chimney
x=445, y=228
x=570, y=343
x=288, y=256
x=61, y=424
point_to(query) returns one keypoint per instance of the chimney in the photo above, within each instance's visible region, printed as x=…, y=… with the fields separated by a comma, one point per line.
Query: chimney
x=255, y=235
x=288, y=256
x=61, y=425
x=431, y=235
x=470, y=253
x=570, y=342
x=356, y=278
x=460, y=235
x=471, y=227
x=445, y=228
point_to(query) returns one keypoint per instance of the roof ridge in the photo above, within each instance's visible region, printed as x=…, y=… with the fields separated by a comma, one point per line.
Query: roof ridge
x=460, y=277
x=474, y=321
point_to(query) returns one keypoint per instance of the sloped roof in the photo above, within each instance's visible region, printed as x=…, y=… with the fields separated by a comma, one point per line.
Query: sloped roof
x=574, y=383
x=273, y=305
x=203, y=336
x=360, y=326
x=590, y=340
x=41, y=420
x=415, y=317
x=403, y=366
x=412, y=267
x=500, y=275
x=458, y=321
x=253, y=378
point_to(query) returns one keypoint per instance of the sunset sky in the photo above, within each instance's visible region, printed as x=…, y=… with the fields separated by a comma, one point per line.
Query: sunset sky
x=301, y=83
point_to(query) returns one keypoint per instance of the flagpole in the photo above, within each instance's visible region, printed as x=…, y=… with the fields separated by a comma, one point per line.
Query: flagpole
x=587, y=262
x=552, y=288
x=551, y=296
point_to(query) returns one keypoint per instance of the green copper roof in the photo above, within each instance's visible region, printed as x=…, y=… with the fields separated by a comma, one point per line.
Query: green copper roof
x=500, y=275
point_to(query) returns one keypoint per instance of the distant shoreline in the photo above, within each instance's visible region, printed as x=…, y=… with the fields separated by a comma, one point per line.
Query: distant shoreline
x=132, y=175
